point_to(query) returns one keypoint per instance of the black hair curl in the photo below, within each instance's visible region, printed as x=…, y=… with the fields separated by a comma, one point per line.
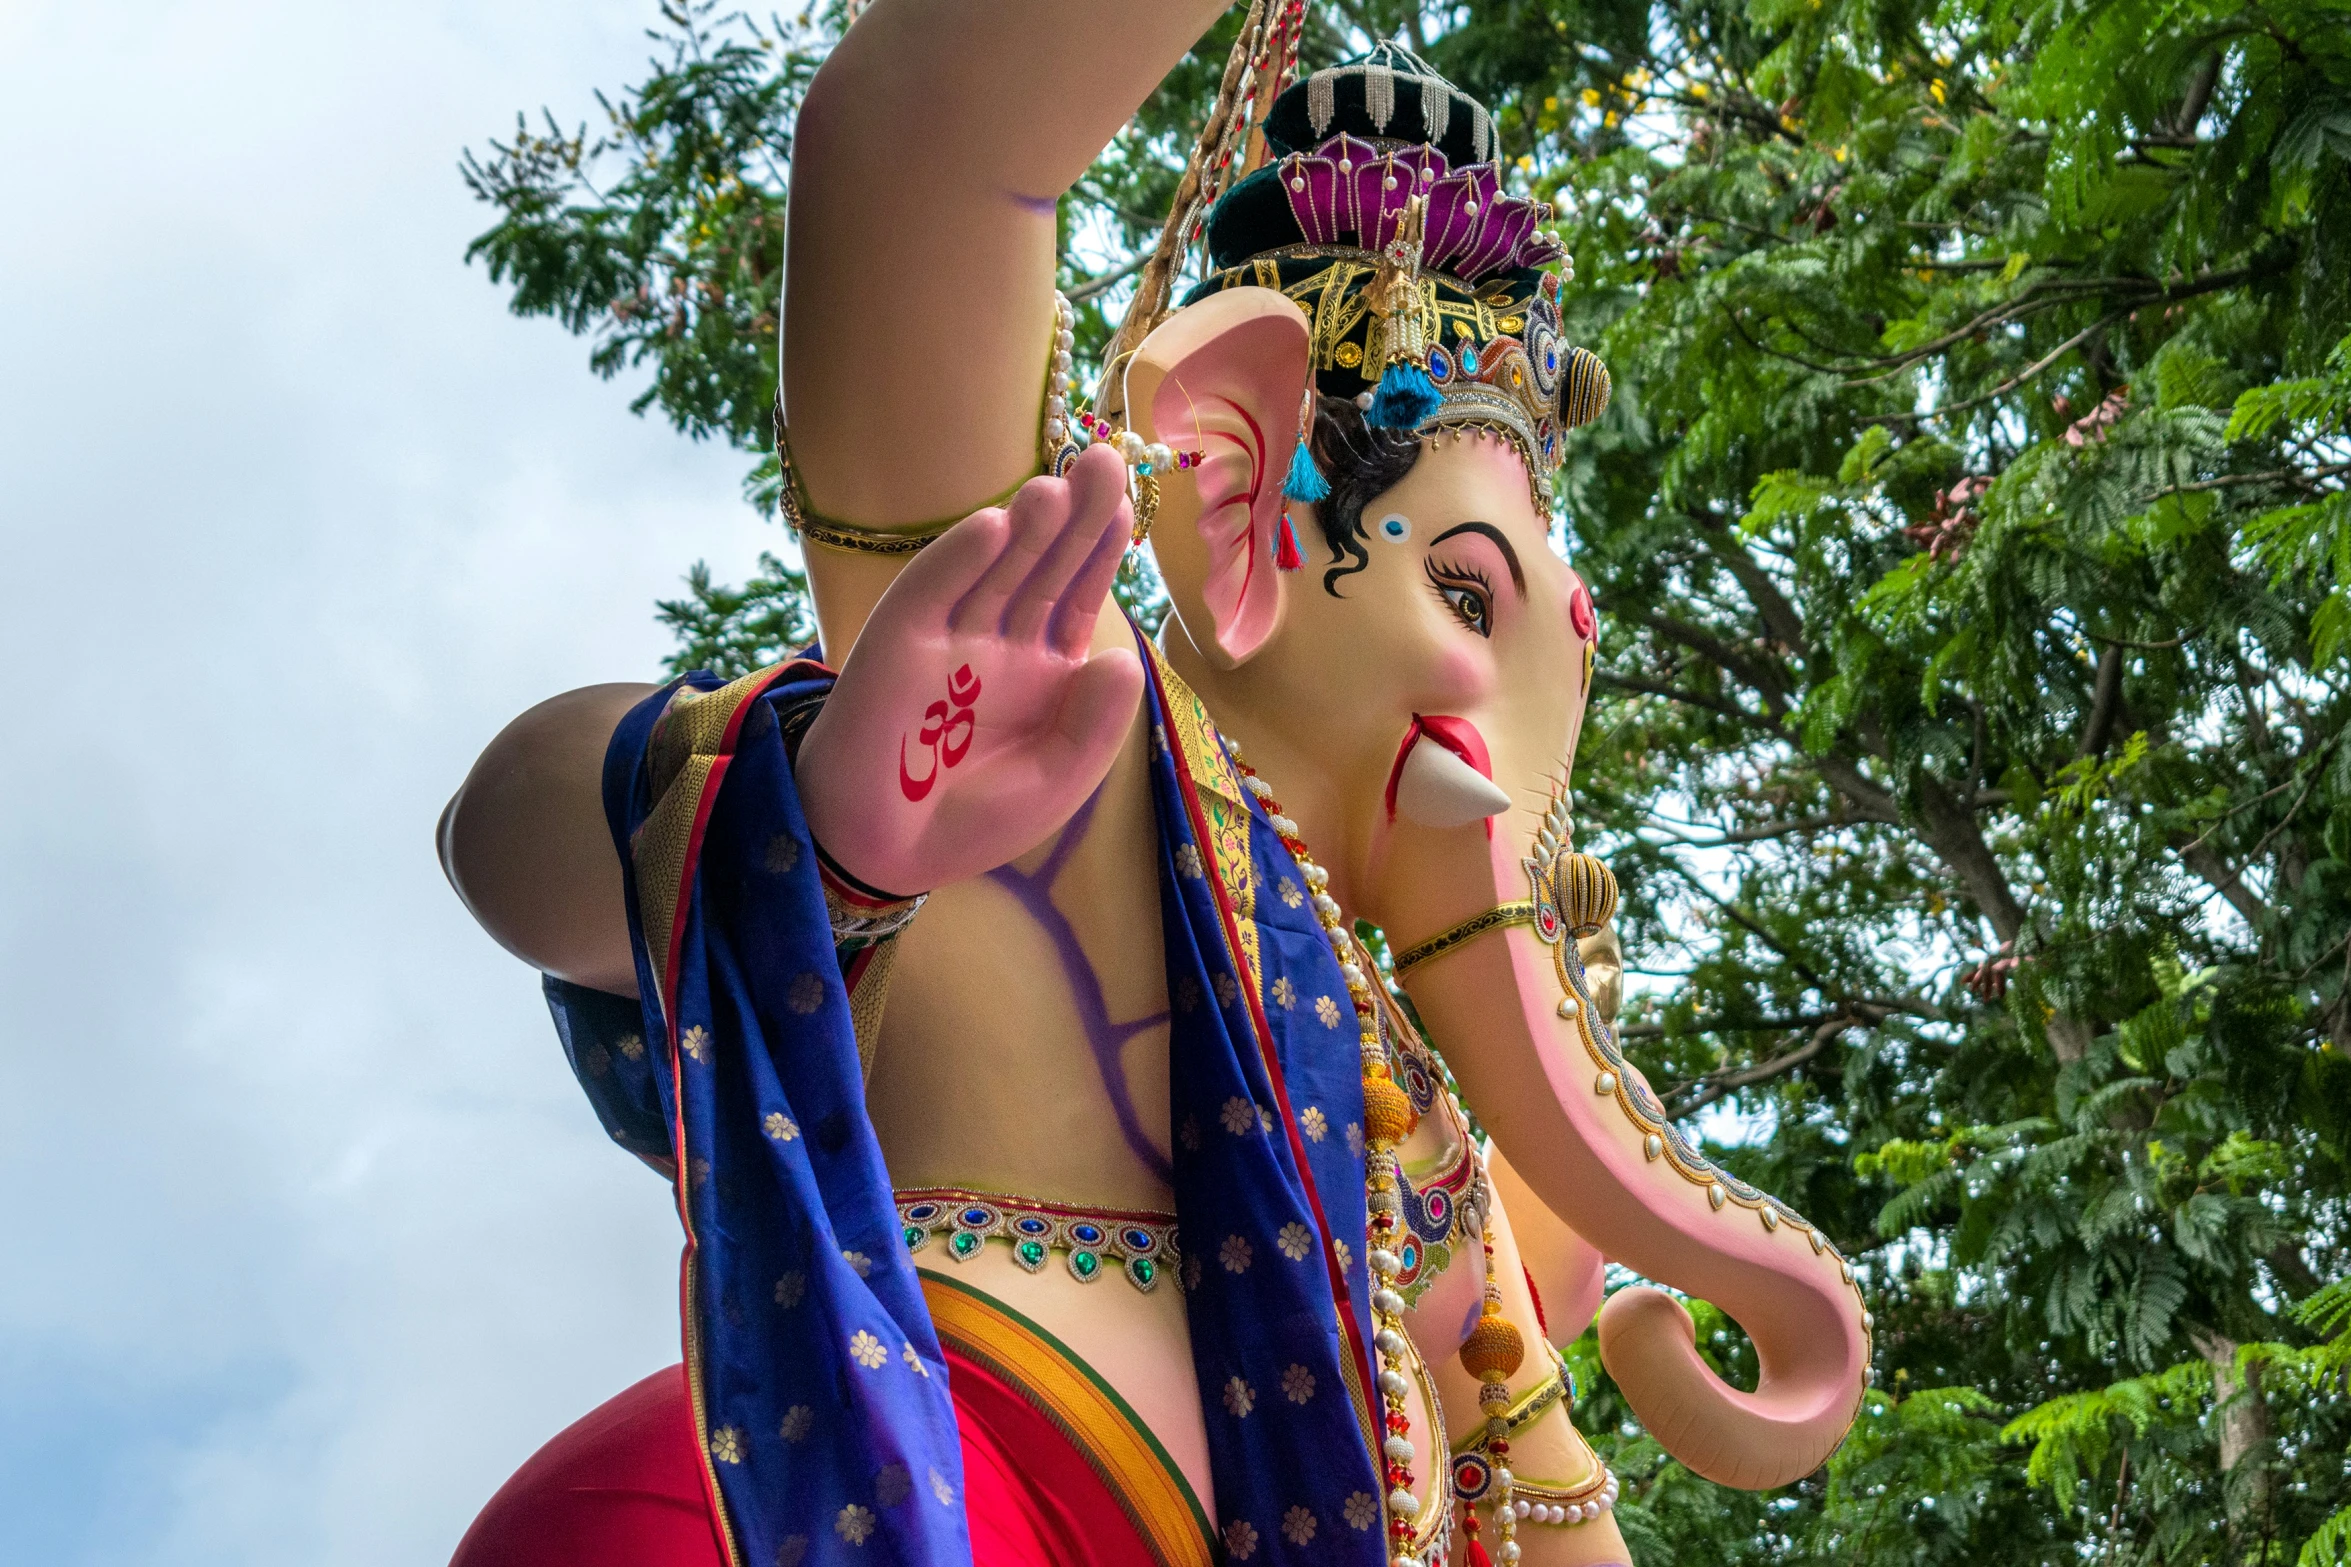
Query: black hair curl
x=1362, y=463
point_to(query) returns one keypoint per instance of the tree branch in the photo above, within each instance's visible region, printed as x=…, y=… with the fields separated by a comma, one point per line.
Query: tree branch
x=1719, y=1084
x=1844, y=775
x=1761, y=679
x=2199, y=857
x=1763, y=834
x=1724, y=1025
x=1780, y=618
x=1712, y=704
x=2007, y=386
x=2198, y=98
x=2105, y=704
x=1077, y=293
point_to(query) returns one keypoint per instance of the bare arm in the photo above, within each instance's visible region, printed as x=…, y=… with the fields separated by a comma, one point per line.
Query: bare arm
x=525, y=844
x=918, y=306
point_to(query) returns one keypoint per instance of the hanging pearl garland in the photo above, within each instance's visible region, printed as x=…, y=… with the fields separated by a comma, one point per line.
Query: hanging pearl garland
x=1081, y=429
x=1387, y=1120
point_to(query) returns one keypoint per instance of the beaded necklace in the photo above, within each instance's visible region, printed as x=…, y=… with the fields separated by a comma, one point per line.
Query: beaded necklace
x=1388, y=1119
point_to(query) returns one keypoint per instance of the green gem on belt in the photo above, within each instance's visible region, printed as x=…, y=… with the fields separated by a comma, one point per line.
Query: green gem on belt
x=1092, y=1242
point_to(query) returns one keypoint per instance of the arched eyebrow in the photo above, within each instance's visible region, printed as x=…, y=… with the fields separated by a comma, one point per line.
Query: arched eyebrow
x=1518, y=576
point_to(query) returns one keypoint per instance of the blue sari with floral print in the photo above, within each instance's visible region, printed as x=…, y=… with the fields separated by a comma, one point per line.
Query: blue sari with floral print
x=820, y=1394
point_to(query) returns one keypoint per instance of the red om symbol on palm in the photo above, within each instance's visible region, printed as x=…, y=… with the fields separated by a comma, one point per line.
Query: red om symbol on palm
x=945, y=733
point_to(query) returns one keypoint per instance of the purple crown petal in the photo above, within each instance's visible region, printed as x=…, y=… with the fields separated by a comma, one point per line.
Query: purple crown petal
x=1540, y=250
x=1507, y=224
x=1380, y=194
x=1449, y=225
x=1459, y=205
x=1340, y=194
x=1312, y=184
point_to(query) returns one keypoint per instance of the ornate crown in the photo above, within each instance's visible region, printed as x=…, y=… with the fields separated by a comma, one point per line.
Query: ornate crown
x=1431, y=293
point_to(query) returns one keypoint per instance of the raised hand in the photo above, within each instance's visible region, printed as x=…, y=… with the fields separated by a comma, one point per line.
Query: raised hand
x=972, y=718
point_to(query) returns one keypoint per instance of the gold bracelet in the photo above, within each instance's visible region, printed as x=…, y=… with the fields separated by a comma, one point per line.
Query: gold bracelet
x=1520, y=913
x=833, y=533
x=1532, y=1405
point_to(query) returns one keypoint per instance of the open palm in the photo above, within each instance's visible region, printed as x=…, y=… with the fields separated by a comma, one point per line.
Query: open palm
x=972, y=718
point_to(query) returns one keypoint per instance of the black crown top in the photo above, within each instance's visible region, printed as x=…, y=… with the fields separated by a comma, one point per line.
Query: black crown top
x=1390, y=94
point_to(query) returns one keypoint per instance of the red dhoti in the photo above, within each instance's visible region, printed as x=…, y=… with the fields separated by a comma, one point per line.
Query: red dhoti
x=1056, y=1470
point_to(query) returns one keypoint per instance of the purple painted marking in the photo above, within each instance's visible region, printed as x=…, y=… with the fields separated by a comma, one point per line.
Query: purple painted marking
x=1034, y=891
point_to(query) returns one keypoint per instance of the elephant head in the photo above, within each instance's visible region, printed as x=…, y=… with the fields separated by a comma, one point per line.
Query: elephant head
x=1413, y=693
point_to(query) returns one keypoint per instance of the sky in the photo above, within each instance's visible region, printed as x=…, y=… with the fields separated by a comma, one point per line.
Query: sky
x=307, y=1238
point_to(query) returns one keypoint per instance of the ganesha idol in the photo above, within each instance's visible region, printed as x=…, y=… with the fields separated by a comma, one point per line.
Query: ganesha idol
x=1062, y=1179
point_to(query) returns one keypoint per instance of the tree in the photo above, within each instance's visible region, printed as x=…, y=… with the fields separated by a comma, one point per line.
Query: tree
x=1973, y=548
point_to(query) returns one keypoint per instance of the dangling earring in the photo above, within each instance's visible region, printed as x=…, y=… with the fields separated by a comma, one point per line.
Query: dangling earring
x=1305, y=484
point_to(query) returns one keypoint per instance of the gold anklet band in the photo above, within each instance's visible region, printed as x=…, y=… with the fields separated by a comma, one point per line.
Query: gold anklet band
x=1520, y=913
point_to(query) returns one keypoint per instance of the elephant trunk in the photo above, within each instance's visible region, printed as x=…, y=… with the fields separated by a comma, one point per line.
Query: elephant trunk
x=1584, y=1135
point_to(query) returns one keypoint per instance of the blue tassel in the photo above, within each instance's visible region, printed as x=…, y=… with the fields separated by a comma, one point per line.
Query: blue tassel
x=1406, y=396
x=1305, y=482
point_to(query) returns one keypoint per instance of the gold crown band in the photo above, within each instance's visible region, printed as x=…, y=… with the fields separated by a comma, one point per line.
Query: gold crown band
x=1519, y=913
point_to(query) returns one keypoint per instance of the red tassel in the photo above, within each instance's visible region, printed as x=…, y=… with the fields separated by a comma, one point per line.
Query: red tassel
x=1286, y=553
x=1477, y=1554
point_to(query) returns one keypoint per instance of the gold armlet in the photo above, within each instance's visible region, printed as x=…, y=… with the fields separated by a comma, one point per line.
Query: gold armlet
x=1574, y=895
x=1483, y=1471
x=1520, y=913
x=832, y=533
x=1530, y=1406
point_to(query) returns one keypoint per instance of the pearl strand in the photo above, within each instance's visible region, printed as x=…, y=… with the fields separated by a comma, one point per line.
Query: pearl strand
x=1569, y=1514
x=1065, y=343
x=1387, y=1121
x=1081, y=429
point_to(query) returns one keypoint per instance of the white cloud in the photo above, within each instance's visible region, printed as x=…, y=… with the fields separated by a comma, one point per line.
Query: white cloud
x=306, y=1238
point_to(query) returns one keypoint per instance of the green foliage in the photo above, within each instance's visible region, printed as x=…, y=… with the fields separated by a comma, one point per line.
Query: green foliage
x=1971, y=538
x=733, y=631
x=2072, y=1434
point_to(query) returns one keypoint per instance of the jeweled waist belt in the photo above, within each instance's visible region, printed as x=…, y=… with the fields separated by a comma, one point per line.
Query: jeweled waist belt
x=1140, y=1244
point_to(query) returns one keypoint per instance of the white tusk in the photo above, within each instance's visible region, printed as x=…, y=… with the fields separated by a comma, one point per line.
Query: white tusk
x=1439, y=789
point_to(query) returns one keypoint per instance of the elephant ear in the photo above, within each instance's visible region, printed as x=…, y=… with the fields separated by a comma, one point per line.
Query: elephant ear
x=1226, y=378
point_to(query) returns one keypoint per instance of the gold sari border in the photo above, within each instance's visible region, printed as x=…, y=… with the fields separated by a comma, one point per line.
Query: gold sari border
x=1105, y=1429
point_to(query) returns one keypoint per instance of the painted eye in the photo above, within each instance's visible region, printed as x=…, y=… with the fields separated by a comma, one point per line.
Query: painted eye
x=1470, y=605
x=1395, y=527
x=1466, y=594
